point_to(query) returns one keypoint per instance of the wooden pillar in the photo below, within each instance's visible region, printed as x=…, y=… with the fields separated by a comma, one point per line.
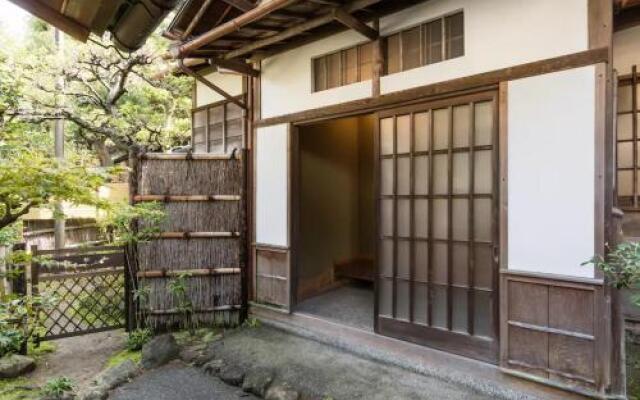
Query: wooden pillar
x=379, y=55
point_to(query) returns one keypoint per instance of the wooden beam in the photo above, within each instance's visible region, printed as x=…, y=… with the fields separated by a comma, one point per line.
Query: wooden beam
x=210, y=85
x=353, y=6
x=229, y=27
x=70, y=26
x=236, y=66
x=379, y=54
x=354, y=23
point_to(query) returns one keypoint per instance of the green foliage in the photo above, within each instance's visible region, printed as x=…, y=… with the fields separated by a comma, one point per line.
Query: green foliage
x=621, y=266
x=123, y=356
x=178, y=288
x=57, y=387
x=118, y=223
x=10, y=341
x=251, y=323
x=11, y=234
x=137, y=338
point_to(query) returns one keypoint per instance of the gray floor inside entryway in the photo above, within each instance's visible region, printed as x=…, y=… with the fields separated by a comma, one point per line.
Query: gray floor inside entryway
x=351, y=305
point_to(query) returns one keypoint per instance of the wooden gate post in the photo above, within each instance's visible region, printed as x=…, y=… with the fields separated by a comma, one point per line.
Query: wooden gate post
x=131, y=249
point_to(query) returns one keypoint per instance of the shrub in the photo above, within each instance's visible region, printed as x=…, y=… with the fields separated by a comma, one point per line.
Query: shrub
x=57, y=387
x=10, y=341
x=621, y=266
x=138, y=338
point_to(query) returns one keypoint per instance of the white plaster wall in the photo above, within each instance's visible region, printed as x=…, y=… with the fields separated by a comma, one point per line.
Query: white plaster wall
x=498, y=34
x=286, y=79
x=551, y=164
x=626, y=50
x=230, y=83
x=272, y=170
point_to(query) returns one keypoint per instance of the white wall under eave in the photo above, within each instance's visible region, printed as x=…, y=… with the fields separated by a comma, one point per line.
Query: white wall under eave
x=272, y=188
x=626, y=50
x=498, y=34
x=551, y=168
x=286, y=83
x=230, y=83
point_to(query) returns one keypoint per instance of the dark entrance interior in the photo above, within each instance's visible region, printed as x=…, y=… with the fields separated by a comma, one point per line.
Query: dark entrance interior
x=336, y=221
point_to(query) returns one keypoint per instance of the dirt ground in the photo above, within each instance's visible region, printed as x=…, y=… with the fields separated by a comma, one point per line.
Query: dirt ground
x=79, y=358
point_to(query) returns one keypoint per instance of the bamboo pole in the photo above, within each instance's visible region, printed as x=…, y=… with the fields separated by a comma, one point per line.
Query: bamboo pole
x=162, y=273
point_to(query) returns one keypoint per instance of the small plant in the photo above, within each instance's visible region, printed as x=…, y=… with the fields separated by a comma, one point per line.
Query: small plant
x=184, y=306
x=251, y=323
x=118, y=224
x=138, y=338
x=56, y=388
x=621, y=267
x=11, y=341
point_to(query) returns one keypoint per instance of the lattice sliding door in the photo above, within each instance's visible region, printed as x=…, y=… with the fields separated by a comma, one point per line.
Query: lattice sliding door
x=437, y=276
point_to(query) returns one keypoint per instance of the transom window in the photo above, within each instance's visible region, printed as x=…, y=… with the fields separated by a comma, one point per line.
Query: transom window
x=431, y=42
x=343, y=67
x=218, y=128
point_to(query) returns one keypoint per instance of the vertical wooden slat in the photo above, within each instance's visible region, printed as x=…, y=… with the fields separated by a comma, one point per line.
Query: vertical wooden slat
x=634, y=128
x=412, y=200
x=224, y=127
x=430, y=227
x=394, y=290
x=449, y=221
x=471, y=247
x=207, y=134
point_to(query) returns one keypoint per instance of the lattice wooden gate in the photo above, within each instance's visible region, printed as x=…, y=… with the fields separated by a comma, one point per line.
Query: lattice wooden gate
x=202, y=247
x=85, y=288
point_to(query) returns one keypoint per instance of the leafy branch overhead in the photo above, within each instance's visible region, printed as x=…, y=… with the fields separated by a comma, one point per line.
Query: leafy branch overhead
x=113, y=100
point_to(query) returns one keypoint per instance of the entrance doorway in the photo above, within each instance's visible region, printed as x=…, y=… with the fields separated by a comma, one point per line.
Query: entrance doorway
x=336, y=221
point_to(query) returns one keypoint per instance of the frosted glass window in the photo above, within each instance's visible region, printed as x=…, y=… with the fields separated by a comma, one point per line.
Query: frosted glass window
x=440, y=218
x=625, y=127
x=461, y=126
x=421, y=123
x=441, y=129
x=484, y=123
x=461, y=173
x=459, y=321
x=625, y=183
x=386, y=136
x=483, y=315
x=625, y=154
x=386, y=297
x=421, y=175
x=422, y=261
x=440, y=263
x=439, y=308
x=440, y=174
x=624, y=98
x=483, y=267
x=482, y=218
x=404, y=175
x=402, y=300
x=460, y=264
x=403, y=133
x=404, y=218
x=386, y=257
x=404, y=260
x=386, y=223
x=421, y=218
x=386, y=174
x=483, y=172
x=420, y=303
x=460, y=219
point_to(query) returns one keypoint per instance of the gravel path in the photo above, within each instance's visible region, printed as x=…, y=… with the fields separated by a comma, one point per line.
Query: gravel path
x=177, y=381
x=79, y=358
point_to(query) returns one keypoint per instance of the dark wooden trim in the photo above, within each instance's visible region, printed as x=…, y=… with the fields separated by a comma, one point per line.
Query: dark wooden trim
x=553, y=277
x=215, y=104
x=56, y=18
x=452, y=342
x=354, y=23
x=428, y=92
x=294, y=212
x=600, y=24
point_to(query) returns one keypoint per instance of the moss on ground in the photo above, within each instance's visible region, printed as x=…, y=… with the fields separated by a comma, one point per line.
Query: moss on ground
x=122, y=356
x=202, y=335
x=18, y=389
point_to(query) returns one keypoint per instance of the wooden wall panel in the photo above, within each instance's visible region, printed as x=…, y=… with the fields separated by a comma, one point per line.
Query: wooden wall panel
x=272, y=276
x=551, y=330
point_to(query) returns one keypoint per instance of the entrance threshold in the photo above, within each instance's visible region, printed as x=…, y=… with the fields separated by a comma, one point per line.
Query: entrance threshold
x=476, y=375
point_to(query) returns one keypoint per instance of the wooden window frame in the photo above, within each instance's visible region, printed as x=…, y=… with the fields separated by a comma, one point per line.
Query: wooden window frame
x=343, y=72
x=207, y=134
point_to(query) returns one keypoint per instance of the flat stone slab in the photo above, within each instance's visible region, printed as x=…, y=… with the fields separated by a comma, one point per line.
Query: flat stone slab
x=177, y=380
x=321, y=371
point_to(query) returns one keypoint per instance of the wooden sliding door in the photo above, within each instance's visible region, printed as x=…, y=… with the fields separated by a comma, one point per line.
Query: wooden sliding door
x=437, y=231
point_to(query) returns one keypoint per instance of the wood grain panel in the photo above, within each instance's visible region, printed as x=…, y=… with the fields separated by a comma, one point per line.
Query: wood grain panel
x=272, y=276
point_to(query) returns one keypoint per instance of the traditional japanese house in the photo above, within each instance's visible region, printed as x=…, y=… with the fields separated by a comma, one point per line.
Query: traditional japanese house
x=431, y=171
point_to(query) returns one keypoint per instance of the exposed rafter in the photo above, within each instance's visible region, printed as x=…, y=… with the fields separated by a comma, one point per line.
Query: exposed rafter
x=203, y=8
x=210, y=85
x=236, y=66
x=242, y=5
x=326, y=18
x=55, y=18
x=354, y=23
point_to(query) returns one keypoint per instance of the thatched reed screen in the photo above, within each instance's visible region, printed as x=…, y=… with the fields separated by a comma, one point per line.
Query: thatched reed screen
x=201, y=249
